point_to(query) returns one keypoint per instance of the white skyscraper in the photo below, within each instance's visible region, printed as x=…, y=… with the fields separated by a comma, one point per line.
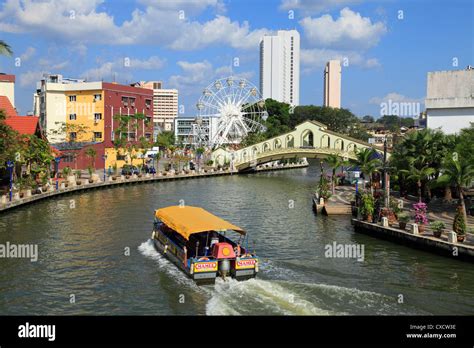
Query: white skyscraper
x=280, y=67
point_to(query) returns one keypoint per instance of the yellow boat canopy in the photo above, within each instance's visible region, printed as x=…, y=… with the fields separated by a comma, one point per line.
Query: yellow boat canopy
x=187, y=220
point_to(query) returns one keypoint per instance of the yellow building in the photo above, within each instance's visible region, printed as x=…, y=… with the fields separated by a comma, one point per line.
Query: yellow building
x=85, y=115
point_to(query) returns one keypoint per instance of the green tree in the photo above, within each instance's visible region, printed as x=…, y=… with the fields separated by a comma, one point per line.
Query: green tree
x=418, y=176
x=368, y=164
x=165, y=139
x=91, y=153
x=5, y=49
x=460, y=174
x=334, y=161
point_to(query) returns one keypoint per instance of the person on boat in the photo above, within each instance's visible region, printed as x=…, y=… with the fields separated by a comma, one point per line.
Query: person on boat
x=237, y=249
x=214, y=240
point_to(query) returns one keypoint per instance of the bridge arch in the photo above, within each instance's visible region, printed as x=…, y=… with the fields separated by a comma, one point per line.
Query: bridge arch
x=254, y=151
x=351, y=147
x=339, y=144
x=307, y=138
x=290, y=141
x=325, y=141
x=277, y=143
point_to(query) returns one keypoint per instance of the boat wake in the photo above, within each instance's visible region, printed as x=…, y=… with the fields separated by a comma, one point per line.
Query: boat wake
x=259, y=297
x=148, y=250
x=277, y=296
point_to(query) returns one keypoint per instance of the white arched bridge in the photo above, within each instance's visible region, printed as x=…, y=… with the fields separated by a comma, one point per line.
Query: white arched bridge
x=309, y=139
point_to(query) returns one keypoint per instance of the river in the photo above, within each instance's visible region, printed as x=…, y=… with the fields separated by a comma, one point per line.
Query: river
x=95, y=257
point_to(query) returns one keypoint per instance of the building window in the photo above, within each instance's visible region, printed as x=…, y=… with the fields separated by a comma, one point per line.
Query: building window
x=148, y=135
x=72, y=117
x=147, y=103
x=125, y=101
x=97, y=97
x=72, y=136
x=132, y=102
x=97, y=135
x=121, y=157
x=72, y=98
x=68, y=158
x=97, y=116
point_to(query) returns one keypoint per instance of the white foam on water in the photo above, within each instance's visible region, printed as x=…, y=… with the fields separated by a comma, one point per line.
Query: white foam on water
x=257, y=296
x=148, y=249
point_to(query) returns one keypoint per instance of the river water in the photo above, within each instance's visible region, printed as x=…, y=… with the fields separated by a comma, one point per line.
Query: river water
x=95, y=257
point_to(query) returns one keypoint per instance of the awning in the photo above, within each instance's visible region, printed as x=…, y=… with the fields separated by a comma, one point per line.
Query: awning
x=187, y=220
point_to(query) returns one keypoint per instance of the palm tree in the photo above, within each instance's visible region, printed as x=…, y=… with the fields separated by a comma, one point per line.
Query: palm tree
x=5, y=49
x=334, y=161
x=418, y=176
x=459, y=174
x=91, y=153
x=368, y=164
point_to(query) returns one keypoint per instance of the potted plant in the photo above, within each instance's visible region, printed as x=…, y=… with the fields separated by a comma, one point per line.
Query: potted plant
x=91, y=171
x=420, y=216
x=459, y=224
x=367, y=206
x=403, y=218
x=390, y=215
x=437, y=227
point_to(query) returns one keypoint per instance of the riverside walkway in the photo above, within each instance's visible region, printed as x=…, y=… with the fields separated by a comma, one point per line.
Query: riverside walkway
x=6, y=205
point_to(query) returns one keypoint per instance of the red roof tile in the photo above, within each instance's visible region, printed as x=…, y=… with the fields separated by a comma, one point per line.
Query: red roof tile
x=7, y=78
x=6, y=105
x=23, y=124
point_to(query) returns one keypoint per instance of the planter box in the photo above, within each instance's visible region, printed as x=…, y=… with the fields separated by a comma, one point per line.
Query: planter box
x=71, y=179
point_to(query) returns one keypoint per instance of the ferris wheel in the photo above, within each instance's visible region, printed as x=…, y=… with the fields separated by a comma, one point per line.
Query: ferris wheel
x=234, y=108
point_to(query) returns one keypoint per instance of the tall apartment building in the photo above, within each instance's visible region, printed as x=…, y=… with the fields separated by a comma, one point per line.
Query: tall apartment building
x=75, y=115
x=7, y=87
x=280, y=67
x=450, y=100
x=165, y=105
x=332, y=84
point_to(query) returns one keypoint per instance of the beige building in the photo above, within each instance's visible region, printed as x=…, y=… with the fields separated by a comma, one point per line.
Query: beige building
x=332, y=84
x=7, y=87
x=165, y=105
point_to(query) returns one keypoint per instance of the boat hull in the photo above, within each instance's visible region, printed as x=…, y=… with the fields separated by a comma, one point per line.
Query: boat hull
x=205, y=271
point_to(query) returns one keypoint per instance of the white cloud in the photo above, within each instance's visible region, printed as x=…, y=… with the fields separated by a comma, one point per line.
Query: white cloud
x=219, y=30
x=349, y=31
x=159, y=24
x=30, y=52
x=395, y=98
x=30, y=78
x=196, y=76
x=316, y=59
x=314, y=7
x=122, y=68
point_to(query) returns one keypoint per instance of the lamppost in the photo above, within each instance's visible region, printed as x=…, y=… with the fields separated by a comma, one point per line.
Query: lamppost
x=105, y=162
x=385, y=178
x=56, y=161
x=10, y=169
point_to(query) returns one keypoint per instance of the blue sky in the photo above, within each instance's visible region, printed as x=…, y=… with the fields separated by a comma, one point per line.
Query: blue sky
x=189, y=43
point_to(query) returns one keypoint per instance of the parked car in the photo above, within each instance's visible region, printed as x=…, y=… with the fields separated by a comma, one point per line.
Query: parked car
x=130, y=170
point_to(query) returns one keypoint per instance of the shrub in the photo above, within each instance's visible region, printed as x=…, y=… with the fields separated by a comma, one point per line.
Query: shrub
x=437, y=226
x=459, y=224
x=420, y=213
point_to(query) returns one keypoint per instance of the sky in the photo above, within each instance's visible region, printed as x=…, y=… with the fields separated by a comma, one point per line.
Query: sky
x=386, y=46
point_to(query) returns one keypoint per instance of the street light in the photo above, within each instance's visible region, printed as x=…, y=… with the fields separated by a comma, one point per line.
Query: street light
x=57, y=160
x=10, y=169
x=105, y=159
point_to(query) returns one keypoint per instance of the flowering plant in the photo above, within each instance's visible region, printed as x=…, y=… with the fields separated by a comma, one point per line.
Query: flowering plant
x=420, y=213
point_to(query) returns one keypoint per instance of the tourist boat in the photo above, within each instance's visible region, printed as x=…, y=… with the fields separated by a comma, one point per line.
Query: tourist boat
x=197, y=242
